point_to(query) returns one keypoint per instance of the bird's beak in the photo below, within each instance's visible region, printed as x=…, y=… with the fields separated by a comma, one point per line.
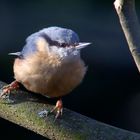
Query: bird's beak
x=82, y=45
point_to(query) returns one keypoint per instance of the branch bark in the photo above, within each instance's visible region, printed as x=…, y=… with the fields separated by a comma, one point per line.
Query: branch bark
x=72, y=126
x=130, y=25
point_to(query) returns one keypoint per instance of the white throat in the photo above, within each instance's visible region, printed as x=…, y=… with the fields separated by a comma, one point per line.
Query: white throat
x=67, y=52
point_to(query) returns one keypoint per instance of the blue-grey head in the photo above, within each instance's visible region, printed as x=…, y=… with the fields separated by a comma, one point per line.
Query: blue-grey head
x=58, y=38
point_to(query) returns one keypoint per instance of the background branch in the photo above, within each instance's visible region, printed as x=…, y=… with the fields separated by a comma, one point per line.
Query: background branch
x=130, y=25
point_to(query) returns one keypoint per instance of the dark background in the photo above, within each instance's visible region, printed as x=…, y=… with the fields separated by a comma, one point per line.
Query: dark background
x=110, y=91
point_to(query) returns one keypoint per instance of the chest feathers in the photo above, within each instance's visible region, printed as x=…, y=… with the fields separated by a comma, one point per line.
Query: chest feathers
x=48, y=74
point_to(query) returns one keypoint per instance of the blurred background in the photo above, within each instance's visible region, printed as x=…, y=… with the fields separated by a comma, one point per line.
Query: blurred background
x=110, y=91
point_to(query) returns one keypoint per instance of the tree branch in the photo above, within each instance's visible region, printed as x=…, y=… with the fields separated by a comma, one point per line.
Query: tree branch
x=72, y=126
x=130, y=25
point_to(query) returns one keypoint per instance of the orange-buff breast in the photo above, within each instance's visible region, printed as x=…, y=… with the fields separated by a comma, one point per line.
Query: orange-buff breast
x=48, y=75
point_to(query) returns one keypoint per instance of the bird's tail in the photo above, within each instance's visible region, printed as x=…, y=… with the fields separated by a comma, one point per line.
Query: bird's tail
x=16, y=53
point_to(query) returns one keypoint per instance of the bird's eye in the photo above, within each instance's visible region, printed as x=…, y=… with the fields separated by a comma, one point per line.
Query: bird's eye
x=63, y=45
x=75, y=44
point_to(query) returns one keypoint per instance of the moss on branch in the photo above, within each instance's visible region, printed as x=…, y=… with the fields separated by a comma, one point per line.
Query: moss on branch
x=72, y=126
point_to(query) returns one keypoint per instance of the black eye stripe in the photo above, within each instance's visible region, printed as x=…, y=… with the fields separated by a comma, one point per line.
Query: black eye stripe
x=56, y=43
x=46, y=38
x=63, y=45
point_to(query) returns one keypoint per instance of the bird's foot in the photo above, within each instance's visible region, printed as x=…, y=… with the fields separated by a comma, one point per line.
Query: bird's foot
x=58, y=107
x=8, y=88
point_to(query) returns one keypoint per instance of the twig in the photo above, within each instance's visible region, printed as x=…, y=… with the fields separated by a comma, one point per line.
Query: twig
x=130, y=25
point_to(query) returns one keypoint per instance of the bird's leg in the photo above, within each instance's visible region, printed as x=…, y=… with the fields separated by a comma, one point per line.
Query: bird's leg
x=8, y=88
x=59, y=108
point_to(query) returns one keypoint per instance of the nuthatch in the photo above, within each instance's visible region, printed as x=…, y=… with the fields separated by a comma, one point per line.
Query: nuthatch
x=49, y=64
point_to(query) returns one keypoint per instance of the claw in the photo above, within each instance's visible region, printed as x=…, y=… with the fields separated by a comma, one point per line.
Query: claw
x=59, y=108
x=8, y=88
x=4, y=92
x=58, y=114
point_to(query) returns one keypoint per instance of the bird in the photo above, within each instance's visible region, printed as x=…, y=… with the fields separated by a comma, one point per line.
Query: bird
x=49, y=64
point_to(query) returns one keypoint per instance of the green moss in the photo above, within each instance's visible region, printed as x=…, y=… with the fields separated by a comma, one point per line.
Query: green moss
x=71, y=126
